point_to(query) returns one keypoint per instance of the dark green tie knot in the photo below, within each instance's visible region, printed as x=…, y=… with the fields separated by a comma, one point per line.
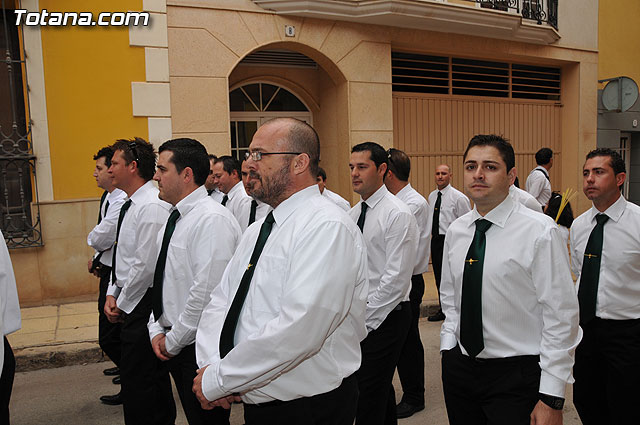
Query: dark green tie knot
x=269, y=218
x=173, y=217
x=482, y=225
x=601, y=219
x=363, y=213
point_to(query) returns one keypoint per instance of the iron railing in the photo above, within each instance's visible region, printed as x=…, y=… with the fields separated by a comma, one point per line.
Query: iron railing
x=19, y=211
x=541, y=11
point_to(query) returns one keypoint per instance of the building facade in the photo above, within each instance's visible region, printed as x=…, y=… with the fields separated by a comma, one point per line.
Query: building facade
x=419, y=75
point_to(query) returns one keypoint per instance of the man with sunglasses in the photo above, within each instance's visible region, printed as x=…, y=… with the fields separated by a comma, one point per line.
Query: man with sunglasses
x=283, y=327
x=146, y=390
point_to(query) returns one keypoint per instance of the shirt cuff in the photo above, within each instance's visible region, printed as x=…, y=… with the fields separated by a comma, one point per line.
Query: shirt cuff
x=210, y=388
x=125, y=305
x=154, y=330
x=447, y=342
x=551, y=385
x=113, y=290
x=172, y=347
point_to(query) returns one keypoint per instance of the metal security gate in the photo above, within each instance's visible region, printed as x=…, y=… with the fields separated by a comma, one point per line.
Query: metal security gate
x=435, y=129
x=19, y=211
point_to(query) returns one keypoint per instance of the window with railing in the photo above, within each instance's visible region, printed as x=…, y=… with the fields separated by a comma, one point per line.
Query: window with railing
x=541, y=11
x=19, y=212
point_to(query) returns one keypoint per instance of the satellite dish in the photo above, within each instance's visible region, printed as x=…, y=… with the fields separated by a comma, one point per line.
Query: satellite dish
x=620, y=94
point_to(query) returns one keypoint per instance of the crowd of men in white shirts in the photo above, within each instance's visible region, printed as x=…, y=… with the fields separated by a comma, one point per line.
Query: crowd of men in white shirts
x=252, y=282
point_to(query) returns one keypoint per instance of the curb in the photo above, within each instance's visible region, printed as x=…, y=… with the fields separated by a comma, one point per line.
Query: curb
x=52, y=356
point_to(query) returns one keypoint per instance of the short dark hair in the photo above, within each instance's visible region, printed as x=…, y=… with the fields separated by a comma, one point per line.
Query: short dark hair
x=321, y=173
x=141, y=151
x=212, y=157
x=378, y=154
x=498, y=142
x=399, y=164
x=566, y=217
x=229, y=164
x=106, y=153
x=615, y=160
x=188, y=153
x=544, y=156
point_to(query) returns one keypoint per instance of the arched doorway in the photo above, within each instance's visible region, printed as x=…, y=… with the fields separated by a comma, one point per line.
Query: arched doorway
x=254, y=103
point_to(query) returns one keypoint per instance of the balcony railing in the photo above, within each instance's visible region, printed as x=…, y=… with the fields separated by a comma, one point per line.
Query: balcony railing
x=541, y=11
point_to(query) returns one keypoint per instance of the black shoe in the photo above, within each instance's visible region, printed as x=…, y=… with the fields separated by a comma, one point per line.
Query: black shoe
x=404, y=409
x=112, y=400
x=112, y=371
x=439, y=316
x=116, y=380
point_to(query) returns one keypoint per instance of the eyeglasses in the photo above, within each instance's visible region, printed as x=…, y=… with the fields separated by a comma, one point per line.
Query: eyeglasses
x=132, y=148
x=257, y=155
x=389, y=159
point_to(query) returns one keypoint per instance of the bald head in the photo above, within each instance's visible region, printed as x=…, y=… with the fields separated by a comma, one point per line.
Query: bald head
x=443, y=176
x=300, y=137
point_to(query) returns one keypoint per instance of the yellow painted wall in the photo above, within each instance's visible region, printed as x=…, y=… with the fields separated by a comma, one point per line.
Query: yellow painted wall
x=618, y=39
x=88, y=74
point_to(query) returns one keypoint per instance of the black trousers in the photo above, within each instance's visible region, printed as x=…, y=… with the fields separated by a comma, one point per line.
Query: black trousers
x=437, y=245
x=380, y=353
x=146, y=386
x=411, y=361
x=607, y=372
x=183, y=369
x=336, y=407
x=108, y=333
x=494, y=392
x=6, y=381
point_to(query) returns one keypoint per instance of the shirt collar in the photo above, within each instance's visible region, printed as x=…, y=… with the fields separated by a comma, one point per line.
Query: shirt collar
x=444, y=189
x=498, y=215
x=377, y=196
x=614, y=211
x=544, y=170
x=187, y=203
x=293, y=202
x=116, y=194
x=235, y=189
x=139, y=194
x=404, y=190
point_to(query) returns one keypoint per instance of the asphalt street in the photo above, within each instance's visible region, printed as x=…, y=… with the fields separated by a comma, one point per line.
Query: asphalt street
x=69, y=395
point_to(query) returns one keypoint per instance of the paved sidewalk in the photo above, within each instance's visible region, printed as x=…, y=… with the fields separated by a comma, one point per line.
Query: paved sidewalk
x=67, y=334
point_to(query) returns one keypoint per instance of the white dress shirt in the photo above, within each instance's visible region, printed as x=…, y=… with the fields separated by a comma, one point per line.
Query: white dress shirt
x=538, y=185
x=138, y=246
x=103, y=235
x=217, y=195
x=9, y=305
x=619, y=283
x=525, y=198
x=239, y=203
x=420, y=209
x=337, y=199
x=203, y=242
x=301, y=324
x=391, y=235
x=529, y=306
x=454, y=204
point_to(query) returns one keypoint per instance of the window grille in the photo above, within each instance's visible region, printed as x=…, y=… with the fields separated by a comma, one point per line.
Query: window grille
x=415, y=73
x=19, y=211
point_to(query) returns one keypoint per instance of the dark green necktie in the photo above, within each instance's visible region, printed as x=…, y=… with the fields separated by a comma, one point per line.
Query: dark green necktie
x=104, y=196
x=252, y=213
x=158, y=275
x=231, y=321
x=435, y=226
x=123, y=211
x=471, y=310
x=590, y=274
x=363, y=213
x=225, y=198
